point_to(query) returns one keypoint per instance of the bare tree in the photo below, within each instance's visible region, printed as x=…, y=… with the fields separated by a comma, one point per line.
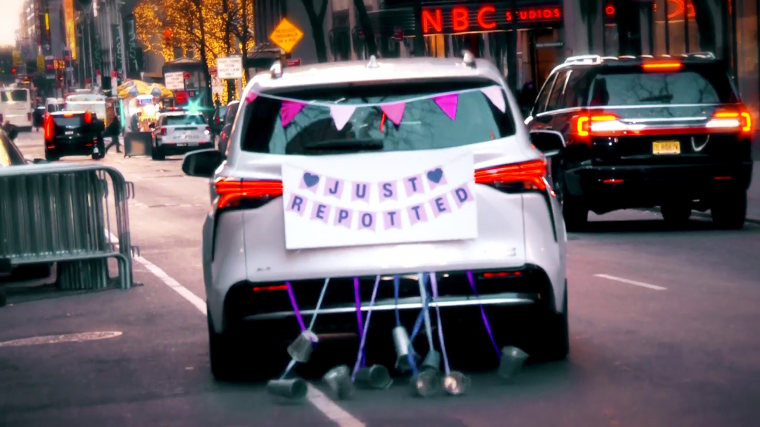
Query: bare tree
x=316, y=20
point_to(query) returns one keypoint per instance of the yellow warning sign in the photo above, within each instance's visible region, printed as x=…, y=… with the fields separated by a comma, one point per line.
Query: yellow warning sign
x=286, y=35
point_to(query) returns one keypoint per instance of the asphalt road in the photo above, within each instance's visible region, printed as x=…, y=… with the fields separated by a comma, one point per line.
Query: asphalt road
x=663, y=332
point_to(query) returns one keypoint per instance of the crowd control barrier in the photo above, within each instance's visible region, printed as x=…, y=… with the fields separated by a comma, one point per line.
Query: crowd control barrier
x=61, y=213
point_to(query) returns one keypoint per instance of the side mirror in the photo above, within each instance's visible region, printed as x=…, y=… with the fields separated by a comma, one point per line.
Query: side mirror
x=548, y=142
x=202, y=163
x=11, y=131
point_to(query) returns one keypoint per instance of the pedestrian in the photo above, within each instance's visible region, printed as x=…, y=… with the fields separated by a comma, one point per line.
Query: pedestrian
x=113, y=130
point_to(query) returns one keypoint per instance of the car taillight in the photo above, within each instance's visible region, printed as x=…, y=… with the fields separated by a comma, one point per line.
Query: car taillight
x=88, y=117
x=163, y=130
x=519, y=176
x=584, y=125
x=662, y=66
x=233, y=191
x=49, y=128
x=730, y=120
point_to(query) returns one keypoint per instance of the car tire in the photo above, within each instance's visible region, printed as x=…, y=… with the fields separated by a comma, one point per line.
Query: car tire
x=575, y=213
x=554, y=337
x=101, y=150
x=223, y=355
x=729, y=209
x=50, y=156
x=676, y=213
x=157, y=154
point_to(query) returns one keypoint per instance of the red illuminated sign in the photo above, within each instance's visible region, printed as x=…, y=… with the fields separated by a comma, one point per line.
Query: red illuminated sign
x=484, y=17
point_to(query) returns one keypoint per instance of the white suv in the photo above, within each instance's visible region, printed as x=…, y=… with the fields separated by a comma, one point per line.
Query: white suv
x=390, y=169
x=178, y=132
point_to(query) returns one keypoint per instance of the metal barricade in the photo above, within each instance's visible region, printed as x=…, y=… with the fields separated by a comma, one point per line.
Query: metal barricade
x=62, y=213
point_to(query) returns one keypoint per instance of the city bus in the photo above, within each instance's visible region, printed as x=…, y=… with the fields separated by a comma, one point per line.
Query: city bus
x=16, y=106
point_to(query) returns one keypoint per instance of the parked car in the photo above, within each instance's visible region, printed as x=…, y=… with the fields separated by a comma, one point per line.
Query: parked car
x=445, y=117
x=644, y=132
x=229, y=120
x=178, y=132
x=73, y=133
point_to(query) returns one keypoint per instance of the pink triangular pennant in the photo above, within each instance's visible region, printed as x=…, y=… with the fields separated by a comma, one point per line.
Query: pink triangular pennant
x=251, y=96
x=394, y=111
x=448, y=104
x=496, y=96
x=341, y=114
x=289, y=110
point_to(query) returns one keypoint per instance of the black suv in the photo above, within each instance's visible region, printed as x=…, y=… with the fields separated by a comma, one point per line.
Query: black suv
x=641, y=132
x=73, y=132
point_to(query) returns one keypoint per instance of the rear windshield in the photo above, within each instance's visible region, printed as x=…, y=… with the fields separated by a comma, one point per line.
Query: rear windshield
x=73, y=121
x=17, y=95
x=424, y=124
x=640, y=88
x=196, y=119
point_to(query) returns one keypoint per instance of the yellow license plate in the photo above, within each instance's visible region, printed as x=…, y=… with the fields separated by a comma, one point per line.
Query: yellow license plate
x=666, y=147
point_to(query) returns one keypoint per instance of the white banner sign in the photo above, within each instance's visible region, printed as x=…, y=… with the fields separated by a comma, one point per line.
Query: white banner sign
x=174, y=81
x=230, y=67
x=358, y=203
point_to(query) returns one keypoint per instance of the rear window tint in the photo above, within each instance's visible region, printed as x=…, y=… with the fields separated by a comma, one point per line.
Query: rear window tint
x=641, y=88
x=424, y=124
x=196, y=119
x=73, y=121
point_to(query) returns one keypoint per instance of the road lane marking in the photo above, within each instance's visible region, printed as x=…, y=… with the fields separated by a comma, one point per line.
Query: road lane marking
x=57, y=339
x=320, y=401
x=330, y=409
x=631, y=282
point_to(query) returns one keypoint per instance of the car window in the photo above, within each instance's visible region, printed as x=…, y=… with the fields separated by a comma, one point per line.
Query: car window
x=424, y=124
x=70, y=121
x=195, y=119
x=557, y=95
x=540, y=105
x=15, y=95
x=640, y=88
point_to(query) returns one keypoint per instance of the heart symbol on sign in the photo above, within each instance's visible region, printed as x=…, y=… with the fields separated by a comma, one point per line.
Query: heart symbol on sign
x=310, y=180
x=435, y=175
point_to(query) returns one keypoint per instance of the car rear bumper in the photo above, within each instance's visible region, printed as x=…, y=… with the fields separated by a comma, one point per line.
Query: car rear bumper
x=611, y=187
x=264, y=302
x=72, y=146
x=175, y=148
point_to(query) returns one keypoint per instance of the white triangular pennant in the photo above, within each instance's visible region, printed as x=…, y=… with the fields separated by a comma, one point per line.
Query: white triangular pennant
x=341, y=114
x=496, y=96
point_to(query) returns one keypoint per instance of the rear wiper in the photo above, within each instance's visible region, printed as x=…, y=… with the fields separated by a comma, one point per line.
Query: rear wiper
x=345, y=144
x=661, y=98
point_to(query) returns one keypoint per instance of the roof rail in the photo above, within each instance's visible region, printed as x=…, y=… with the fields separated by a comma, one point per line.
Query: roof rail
x=705, y=55
x=583, y=59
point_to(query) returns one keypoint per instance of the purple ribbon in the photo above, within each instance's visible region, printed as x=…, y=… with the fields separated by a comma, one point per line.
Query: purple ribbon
x=361, y=357
x=434, y=286
x=358, y=301
x=293, y=302
x=486, y=323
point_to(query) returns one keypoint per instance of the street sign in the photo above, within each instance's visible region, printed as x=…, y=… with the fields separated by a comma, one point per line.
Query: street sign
x=230, y=67
x=286, y=35
x=174, y=81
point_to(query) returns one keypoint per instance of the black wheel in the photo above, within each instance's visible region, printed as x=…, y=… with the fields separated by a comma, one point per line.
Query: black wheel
x=157, y=154
x=553, y=343
x=51, y=156
x=101, y=150
x=224, y=356
x=676, y=213
x=729, y=209
x=575, y=213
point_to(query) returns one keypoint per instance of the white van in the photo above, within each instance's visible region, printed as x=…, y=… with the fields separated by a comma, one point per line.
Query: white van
x=92, y=102
x=16, y=106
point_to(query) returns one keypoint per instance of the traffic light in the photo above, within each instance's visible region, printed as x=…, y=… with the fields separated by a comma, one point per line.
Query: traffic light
x=13, y=70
